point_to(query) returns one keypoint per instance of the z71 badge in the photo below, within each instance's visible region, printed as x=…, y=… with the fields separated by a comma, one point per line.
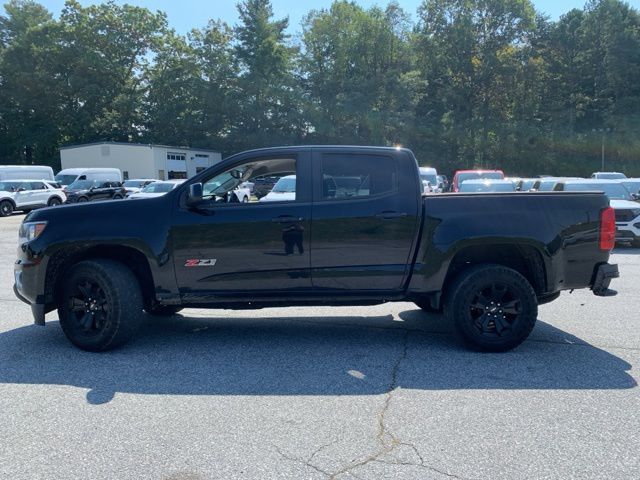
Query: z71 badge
x=200, y=262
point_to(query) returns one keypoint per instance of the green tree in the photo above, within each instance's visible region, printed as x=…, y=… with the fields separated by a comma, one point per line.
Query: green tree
x=191, y=84
x=105, y=52
x=267, y=98
x=357, y=71
x=469, y=57
x=28, y=108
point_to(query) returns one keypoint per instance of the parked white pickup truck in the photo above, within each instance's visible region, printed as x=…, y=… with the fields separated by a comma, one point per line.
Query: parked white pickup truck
x=26, y=195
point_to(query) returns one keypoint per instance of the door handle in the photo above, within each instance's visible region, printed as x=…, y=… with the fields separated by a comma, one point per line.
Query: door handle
x=286, y=219
x=389, y=215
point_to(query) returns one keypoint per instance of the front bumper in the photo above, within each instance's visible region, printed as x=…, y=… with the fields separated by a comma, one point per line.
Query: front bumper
x=37, y=309
x=604, y=273
x=29, y=286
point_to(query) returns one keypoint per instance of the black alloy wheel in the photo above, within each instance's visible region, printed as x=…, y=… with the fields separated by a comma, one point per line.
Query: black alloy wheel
x=493, y=308
x=100, y=304
x=88, y=306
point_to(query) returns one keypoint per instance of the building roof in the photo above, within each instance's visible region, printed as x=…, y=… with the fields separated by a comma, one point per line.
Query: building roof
x=149, y=145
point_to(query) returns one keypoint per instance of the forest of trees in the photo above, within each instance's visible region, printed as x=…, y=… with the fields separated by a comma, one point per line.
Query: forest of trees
x=463, y=83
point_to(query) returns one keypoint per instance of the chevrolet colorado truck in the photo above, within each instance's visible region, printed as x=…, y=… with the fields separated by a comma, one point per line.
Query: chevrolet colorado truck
x=358, y=231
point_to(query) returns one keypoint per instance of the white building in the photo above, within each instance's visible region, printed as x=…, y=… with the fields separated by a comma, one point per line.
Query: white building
x=136, y=160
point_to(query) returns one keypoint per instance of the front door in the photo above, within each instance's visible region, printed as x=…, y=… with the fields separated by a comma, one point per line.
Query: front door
x=364, y=224
x=224, y=247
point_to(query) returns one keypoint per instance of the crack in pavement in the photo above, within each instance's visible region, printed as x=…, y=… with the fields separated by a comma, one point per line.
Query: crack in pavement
x=388, y=440
x=303, y=462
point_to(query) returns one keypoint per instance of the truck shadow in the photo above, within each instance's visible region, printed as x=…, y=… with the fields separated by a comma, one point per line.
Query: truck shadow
x=187, y=355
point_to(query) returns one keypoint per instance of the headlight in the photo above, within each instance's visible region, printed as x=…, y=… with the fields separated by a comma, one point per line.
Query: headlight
x=635, y=212
x=30, y=231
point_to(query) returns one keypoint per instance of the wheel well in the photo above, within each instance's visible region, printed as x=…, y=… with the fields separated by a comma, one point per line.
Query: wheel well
x=10, y=200
x=524, y=259
x=60, y=264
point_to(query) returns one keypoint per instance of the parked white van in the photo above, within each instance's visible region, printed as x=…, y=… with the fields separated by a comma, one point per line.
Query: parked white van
x=26, y=172
x=429, y=177
x=69, y=175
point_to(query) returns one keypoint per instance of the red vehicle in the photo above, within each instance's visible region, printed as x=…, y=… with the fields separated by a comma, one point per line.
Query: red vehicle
x=462, y=175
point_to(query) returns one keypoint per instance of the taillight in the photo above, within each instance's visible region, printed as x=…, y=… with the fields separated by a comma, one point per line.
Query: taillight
x=607, y=229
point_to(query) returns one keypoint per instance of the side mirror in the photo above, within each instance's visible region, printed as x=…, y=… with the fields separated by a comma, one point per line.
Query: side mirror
x=21, y=189
x=635, y=196
x=195, y=194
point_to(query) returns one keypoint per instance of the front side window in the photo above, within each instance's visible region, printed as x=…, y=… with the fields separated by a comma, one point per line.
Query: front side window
x=354, y=176
x=272, y=180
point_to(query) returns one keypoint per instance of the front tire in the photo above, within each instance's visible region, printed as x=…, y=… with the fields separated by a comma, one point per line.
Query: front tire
x=117, y=196
x=101, y=305
x=6, y=208
x=493, y=308
x=54, y=202
x=83, y=199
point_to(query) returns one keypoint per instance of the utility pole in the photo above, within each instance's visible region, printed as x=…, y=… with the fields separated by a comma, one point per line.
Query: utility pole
x=602, y=131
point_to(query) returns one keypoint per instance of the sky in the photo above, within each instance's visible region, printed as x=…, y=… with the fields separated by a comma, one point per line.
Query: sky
x=184, y=15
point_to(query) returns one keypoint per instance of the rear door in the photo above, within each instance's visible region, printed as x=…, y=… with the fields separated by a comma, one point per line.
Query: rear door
x=39, y=193
x=101, y=191
x=365, y=219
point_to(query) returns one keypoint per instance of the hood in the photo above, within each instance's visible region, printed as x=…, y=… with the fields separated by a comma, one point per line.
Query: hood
x=624, y=205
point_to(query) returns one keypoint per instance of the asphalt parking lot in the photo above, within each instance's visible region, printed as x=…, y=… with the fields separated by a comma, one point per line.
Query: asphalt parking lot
x=303, y=393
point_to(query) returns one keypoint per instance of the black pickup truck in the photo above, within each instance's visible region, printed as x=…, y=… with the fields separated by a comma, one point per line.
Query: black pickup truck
x=351, y=228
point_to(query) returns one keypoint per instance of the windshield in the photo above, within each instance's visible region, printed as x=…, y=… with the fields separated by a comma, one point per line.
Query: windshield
x=429, y=178
x=66, y=179
x=610, y=176
x=285, y=185
x=134, y=183
x=615, y=191
x=547, y=185
x=475, y=175
x=527, y=184
x=82, y=185
x=633, y=187
x=486, y=187
x=159, y=187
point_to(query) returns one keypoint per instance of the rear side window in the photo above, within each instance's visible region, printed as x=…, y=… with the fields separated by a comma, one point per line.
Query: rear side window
x=36, y=186
x=357, y=176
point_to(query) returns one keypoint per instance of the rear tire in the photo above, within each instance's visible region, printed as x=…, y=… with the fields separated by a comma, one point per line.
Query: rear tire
x=100, y=306
x=6, y=208
x=493, y=308
x=164, y=310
